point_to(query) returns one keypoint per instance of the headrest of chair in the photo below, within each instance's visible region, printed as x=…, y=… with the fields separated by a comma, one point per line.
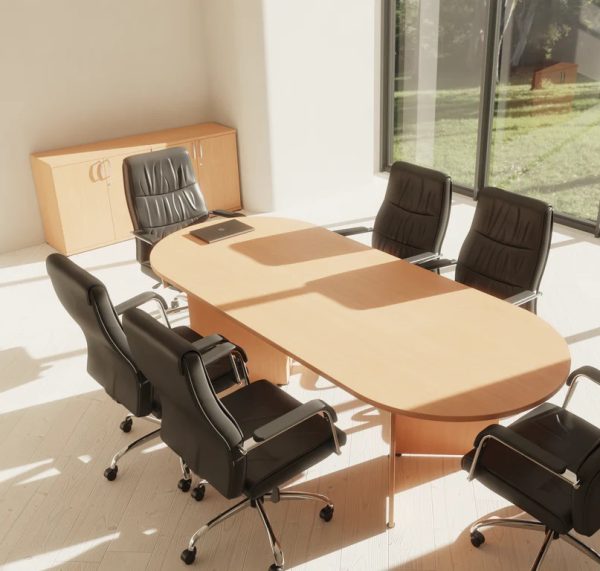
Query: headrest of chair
x=158, y=172
x=70, y=280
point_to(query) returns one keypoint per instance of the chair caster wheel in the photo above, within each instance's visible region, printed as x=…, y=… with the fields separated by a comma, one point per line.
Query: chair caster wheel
x=326, y=513
x=275, y=567
x=477, y=539
x=111, y=473
x=188, y=556
x=184, y=485
x=126, y=425
x=198, y=492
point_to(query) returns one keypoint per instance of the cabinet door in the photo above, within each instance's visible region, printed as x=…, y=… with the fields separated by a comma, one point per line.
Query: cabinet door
x=111, y=171
x=84, y=206
x=218, y=173
x=191, y=149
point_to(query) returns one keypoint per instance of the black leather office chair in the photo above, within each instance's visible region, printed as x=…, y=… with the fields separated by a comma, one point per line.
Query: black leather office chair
x=109, y=359
x=163, y=196
x=246, y=444
x=548, y=464
x=413, y=217
x=506, y=249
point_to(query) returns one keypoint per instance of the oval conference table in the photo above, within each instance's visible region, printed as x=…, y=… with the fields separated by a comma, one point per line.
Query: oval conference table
x=444, y=359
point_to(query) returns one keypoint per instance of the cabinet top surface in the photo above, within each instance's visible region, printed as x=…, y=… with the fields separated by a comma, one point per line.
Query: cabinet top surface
x=397, y=336
x=130, y=144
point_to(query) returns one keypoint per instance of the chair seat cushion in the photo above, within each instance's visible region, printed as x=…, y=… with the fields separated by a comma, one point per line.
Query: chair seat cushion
x=560, y=432
x=287, y=455
x=527, y=485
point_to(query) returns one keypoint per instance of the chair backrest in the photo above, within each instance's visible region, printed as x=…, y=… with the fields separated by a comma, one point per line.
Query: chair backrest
x=414, y=214
x=507, y=246
x=162, y=192
x=109, y=360
x=195, y=425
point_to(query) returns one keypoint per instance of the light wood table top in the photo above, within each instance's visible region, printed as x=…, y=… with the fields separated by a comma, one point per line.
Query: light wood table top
x=399, y=337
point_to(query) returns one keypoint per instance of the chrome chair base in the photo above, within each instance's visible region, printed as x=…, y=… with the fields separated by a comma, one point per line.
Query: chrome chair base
x=477, y=538
x=111, y=472
x=189, y=555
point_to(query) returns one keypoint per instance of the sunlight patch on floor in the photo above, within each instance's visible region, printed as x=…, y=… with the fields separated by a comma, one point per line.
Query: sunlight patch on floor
x=59, y=556
x=10, y=473
x=43, y=391
x=49, y=473
x=154, y=448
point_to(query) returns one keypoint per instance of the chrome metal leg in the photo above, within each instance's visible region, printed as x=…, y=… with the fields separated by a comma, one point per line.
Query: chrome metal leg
x=175, y=306
x=302, y=496
x=163, y=313
x=392, y=472
x=275, y=547
x=543, y=550
x=572, y=540
x=217, y=520
x=239, y=367
x=185, y=471
x=132, y=445
x=508, y=522
x=152, y=418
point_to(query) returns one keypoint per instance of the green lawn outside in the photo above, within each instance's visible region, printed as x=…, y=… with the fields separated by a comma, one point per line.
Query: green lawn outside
x=545, y=142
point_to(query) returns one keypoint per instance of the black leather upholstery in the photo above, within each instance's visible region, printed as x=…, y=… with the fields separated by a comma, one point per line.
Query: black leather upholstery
x=414, y=214
x=506, y=249
x=109, y=359
x=209, y=433
x=282, y=458
x=547, y=498
x=162, y=195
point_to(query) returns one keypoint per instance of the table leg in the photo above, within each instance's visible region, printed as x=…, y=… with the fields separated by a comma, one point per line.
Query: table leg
x=264, y=360
x=392, y=472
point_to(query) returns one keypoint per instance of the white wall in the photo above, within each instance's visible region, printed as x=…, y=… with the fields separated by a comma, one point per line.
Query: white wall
x=299, y=79
x=236, y=82
x=77, y=71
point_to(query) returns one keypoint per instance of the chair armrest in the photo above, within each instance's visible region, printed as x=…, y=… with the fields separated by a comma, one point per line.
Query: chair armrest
x=438, y=264
x=208, y=342
x=353, y=231
x=525, y=448
x=144, y=237
x=291, y=419
x=227, y=213
x=217, y=352
x=422, y=258
x=587, y=372
x=140, y=299
x=523, y=297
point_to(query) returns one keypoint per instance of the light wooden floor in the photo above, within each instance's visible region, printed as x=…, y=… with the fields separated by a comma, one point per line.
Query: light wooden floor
x=58, y=432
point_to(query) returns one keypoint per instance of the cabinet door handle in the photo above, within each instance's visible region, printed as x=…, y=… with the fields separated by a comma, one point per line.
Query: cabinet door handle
x=103, y=170
x=98, y=173
x=201, y=152
x=194, y=150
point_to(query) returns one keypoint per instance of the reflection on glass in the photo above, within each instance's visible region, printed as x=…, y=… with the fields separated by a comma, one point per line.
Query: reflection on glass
x=437, y=76
x=546, y=130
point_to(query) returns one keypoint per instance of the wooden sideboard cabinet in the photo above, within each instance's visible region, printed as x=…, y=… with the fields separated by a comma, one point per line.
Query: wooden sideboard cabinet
x=80, y=189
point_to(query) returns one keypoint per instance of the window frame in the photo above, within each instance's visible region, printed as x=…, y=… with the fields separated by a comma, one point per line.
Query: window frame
x=486, y=108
